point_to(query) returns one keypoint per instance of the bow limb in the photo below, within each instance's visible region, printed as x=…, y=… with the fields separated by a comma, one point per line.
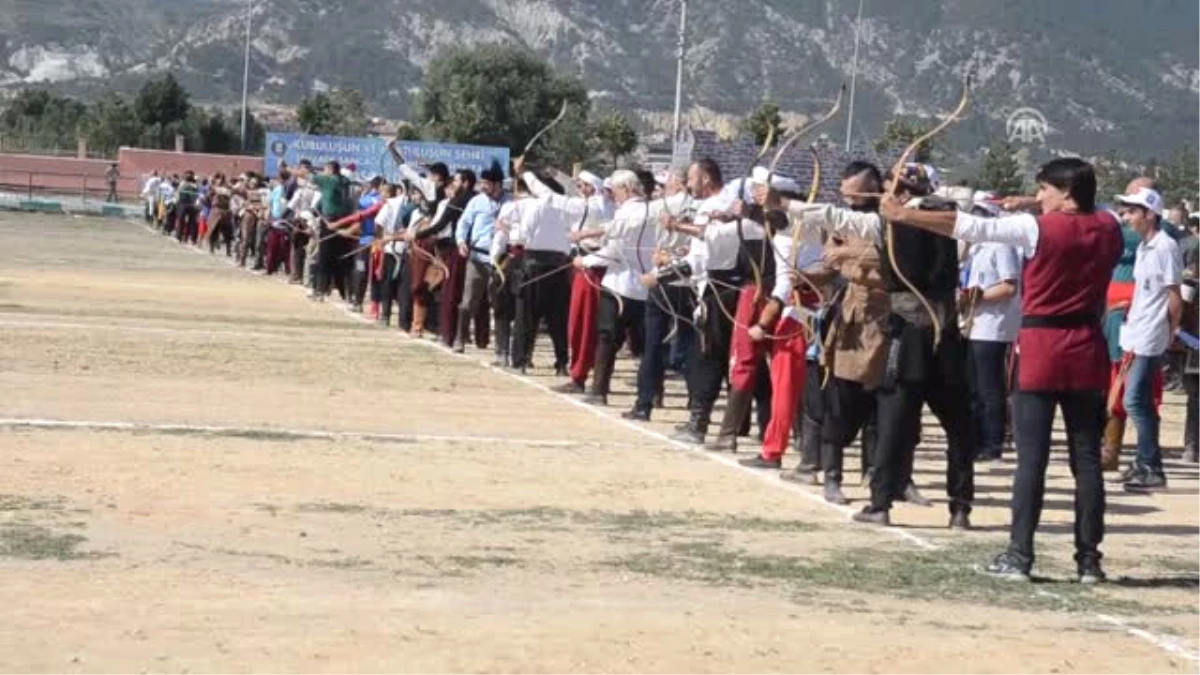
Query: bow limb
x=888, y=227
x=553, y=123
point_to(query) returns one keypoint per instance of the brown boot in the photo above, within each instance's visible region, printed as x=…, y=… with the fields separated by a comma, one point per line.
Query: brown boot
x=419, y=312
x=1114, y=437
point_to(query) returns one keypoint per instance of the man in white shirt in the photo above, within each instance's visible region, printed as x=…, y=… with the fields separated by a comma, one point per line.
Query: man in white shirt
x=540, y=234
x=626, y=248
x=150, y=195
x=991, y=306
x=1150, y=326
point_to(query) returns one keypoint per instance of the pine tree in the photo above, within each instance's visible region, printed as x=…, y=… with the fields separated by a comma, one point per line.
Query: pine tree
x=1001, y=170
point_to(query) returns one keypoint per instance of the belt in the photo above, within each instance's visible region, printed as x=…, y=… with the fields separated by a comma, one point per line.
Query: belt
x=1059, y=320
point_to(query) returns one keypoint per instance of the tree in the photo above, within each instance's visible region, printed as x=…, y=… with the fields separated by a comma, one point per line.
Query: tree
x=162, y=106
x=500, y=95
x=1001, y=170
x=341, y=112
x=899, y=134
x=1112, y=175
x=762, y=121
x=408, y=132
x=614, y=135
x=1179, y=178
x=43, y=119
x=215, y=135
x=112, y=123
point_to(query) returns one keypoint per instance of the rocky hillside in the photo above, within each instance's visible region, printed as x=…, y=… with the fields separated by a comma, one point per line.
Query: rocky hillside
x=1105, y=73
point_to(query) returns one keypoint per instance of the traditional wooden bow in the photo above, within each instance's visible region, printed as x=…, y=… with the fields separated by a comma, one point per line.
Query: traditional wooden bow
x=896, y=172
x=553, y=123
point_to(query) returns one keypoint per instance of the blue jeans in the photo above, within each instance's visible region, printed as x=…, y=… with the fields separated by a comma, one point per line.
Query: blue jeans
x=1139, y=404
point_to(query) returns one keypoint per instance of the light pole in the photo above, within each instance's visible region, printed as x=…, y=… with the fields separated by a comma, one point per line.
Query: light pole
x=854, y=74
x=679, y=76
x=246, y=78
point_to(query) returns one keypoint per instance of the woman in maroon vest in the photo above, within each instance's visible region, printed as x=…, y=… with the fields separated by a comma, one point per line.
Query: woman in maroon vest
x=1070, y=250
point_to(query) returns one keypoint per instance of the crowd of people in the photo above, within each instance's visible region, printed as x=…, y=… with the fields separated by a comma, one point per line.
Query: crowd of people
x=826, y=321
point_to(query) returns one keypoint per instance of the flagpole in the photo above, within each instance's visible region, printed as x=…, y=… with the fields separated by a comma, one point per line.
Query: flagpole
x=854, y=74
x=679, y=76
x=246, y=78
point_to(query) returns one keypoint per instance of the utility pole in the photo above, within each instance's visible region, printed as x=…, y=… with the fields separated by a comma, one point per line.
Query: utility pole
x=854, y=74
x=246, y=78
x=679, y=75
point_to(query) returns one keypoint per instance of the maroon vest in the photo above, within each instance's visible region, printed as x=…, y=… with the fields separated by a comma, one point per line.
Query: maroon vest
x=1063, y=291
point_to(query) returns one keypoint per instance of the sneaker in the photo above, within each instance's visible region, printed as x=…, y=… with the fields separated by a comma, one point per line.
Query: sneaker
x=1006, y=566
x=636, y=415
x=759, y=462
x=1132, y=471
x=460, y=348
x=833, y=492
x=988, y=457
x=1090, y=572
x=1190, y=456
x=571, y=387
x=1146, y=481
x=596, y=399
x=913, y=496
x=689, y=435
x=801, y=475
x=960, y=520
x=561, y=371
x=872, y=517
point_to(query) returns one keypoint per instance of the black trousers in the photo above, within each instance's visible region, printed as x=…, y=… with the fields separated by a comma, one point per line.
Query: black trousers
x=613, y=321
x=396, y=288
x=549, y=299
x=361, y=275
x=333, y=268
x=188, y=224
x=656, y=326
x=299, y=253
x=1084, y=417
x=939, y=380
x=502, y=295
x=710, y=364
x=850, y=409
x=986, y=363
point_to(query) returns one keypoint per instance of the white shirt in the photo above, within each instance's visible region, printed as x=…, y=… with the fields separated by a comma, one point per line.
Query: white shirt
x=698, y=255
x=387, y=223
x=580, y=212
x=677, y=205
x=808, y=252
x=425, y=185
x=150, y=189
x=995, y=320
x=1159, y=266
x=539, y=226
x=626, y=248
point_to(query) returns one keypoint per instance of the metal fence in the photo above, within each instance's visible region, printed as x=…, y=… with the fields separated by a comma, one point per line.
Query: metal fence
x=86, y=188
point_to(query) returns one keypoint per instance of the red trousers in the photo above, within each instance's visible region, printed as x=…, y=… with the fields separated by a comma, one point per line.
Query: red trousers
x=452, y=292
x=788, y=368
x=581, y=321
x=278, y=250
x=745, y=354
x=1156, y=389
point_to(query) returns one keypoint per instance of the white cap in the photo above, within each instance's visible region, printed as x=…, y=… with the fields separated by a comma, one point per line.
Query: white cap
x=662, y=177
x=1144, y=197
x=592, y=179
x=608, y=183
x=761, y=174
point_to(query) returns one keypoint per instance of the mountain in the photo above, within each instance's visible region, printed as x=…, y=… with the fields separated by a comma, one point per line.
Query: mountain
x=1106, y=74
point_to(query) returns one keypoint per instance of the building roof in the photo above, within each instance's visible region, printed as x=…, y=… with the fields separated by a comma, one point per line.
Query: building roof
x=735, y=156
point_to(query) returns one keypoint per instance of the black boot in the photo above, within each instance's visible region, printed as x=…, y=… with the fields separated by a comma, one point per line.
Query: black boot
x=737, y=412
x=805, y=472
x=602, y=378
x=697, y=425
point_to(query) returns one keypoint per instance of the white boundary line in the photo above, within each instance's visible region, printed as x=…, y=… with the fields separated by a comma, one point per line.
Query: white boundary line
x=287, y=432
x=169, y=330
x=1168, y=644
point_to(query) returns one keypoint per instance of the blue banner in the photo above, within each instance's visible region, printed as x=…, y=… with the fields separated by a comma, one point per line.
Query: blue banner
x=370, y=156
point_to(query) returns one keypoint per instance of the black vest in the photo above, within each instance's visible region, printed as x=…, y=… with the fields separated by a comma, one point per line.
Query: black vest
x=928, y=260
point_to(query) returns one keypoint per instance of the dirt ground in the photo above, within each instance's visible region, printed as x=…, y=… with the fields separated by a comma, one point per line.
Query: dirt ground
x=204, y=471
